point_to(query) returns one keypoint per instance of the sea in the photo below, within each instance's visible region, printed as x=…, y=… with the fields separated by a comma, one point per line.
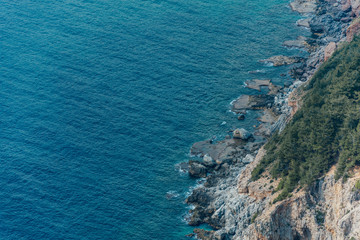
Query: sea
x=101, y=100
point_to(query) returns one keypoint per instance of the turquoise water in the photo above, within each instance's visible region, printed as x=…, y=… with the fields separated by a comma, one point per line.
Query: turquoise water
x=99, y=100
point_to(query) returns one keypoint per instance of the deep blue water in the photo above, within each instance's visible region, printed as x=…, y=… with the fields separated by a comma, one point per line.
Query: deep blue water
x=100, y=99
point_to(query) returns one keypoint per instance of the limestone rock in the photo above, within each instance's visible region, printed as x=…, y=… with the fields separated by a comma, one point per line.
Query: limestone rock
x=353, y=30
x=329, y=50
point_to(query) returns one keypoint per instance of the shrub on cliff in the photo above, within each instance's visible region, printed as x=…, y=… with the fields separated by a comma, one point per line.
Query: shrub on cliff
x=325, y=131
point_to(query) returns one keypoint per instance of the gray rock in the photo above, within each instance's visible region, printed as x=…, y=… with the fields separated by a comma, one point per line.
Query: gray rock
x=197, y=170
x=208, y=161
x=242, y=134
x=248, y=158
x=281, y=60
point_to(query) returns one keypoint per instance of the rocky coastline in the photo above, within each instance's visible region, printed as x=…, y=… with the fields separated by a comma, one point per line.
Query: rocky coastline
x=237, y=208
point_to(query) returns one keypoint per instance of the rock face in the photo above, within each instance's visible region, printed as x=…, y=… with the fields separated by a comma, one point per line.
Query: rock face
x=328, y=210
x=353, y=30
x=329, y=50
x=197, y=170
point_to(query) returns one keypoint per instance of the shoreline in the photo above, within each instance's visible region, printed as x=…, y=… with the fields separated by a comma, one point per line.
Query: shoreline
x=226, y=201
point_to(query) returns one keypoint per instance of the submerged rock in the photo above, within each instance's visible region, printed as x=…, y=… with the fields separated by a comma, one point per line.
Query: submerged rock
x=241, y=117
x=300, y=42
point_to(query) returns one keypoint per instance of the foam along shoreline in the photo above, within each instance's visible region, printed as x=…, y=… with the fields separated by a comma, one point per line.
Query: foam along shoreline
x=225, y=201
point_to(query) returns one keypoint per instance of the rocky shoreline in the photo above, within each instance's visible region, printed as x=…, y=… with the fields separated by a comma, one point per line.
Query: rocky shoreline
x=228, y=202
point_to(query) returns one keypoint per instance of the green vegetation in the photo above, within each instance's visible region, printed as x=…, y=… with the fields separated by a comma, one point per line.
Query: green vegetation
x=320, y=217
x=254, y=217
x=325, y=131
x=357, y=185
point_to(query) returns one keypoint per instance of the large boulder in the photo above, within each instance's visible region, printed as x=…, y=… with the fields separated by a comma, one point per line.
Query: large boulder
x=241, y=134
x=208, y=161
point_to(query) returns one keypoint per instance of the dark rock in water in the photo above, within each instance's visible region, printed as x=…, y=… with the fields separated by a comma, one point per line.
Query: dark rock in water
x=203, y=234
x=242, y=134
x=197, y=170
x=183, y=167
x=241, y=117
x=199, y=197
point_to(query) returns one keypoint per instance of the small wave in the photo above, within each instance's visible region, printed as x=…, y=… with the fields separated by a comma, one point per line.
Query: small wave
x=257, y=71
x=182, y=167
x=199, y=183
x=171, y=195
x=269, y=64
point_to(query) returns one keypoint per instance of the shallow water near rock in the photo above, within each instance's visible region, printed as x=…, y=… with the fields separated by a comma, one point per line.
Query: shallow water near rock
x=101, y=99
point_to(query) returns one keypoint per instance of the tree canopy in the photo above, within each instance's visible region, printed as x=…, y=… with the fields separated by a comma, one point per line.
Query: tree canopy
x=324, y=131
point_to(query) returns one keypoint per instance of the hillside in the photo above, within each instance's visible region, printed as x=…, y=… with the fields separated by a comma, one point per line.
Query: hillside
x=326, y=129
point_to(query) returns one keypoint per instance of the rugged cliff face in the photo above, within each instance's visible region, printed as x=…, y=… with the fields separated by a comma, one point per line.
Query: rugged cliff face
x=239, y=208
x=329, y=209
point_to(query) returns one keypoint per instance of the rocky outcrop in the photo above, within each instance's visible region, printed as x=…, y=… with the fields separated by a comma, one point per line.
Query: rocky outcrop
x=304, y=6
x=241, y=134
x=282, y=60
x=353, y=30
x=247, y=102
x=329, y=50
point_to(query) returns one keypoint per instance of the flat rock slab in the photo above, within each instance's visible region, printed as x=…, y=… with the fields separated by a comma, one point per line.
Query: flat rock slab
x=268, y=117
x=252, y=102
x=281, y=60
x=257, y=84
x=218, y=151
x=304, y=22
x=304, y=6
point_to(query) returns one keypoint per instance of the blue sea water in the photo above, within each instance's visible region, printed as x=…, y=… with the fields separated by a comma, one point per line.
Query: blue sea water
x=100, y=99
